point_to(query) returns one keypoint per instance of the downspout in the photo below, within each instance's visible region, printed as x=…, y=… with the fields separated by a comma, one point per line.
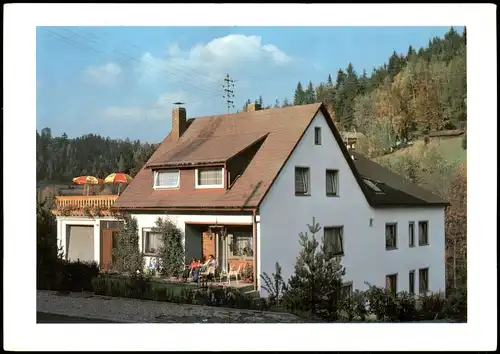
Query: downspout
x=254, y=225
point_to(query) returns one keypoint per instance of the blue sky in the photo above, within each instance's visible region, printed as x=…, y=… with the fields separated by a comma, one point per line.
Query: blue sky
x=121, y=81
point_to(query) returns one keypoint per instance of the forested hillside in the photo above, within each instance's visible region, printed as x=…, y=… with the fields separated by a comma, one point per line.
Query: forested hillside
x=59, y=159
x=414, y=93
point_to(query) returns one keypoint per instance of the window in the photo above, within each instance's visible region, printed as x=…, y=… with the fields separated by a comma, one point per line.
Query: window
x=391, y=283
x=332, y=183
x=334, y=240
x=317, y=135
x=210, y=177
x=346, y=290
x=423, y=233
x=411, y=234
x=411, y=282
x=373, y=186
x=241, y=244
x=302, y=181
x=166, y=179
x=390, y=236
x=153, y=242
x=423, y=280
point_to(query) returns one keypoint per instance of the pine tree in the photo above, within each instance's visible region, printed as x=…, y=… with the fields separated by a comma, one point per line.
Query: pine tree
x=329, y=81
x=276, y=103
x=126, y=255
x=299, y=96
x=315, y=286
x=121, y=164
x=411, y=52
x=286, y=103
x=309, y=94
x=172, y=253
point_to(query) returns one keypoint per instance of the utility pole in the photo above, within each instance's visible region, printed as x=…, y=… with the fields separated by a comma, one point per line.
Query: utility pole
x=229, y=92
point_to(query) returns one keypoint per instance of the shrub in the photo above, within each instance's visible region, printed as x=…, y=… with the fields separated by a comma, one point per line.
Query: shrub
x=77, y=276
x=388, y=307
x=49, y=260
x=431, y=306
x=127, y=257
x=456, y=305
x=382, y=303
x=275, y=287
x=172, y=254
x=355, y=307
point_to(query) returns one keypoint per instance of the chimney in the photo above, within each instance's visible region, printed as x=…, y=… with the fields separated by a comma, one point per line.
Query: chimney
x=252, y=107
x=179, y=122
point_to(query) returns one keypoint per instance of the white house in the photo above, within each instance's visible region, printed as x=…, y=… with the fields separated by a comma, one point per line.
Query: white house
x=243, y=186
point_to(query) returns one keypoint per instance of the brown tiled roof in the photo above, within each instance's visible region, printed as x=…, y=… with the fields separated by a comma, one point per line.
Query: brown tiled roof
x=214, y=149
x=281, y=129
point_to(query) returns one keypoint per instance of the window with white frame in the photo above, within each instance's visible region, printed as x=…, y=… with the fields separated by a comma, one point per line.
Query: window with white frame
x=333, y=239
x=212, y=177
x=411, y=234
x=302, y=181
x=423, y=233
x=391, y=283
x=152, y=242
x=332, y=183
x=391, y=236
x=317, y=135
x=165, y=179
x=423, y=280
x=241, y=244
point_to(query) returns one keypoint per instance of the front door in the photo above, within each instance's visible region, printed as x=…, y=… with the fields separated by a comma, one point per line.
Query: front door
x=108, y=242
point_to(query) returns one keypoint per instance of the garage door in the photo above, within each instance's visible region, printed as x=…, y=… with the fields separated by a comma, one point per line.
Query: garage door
x=80, y=243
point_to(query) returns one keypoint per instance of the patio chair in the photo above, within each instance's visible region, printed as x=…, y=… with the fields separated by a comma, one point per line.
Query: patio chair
x=234, y=272
x=205, y=274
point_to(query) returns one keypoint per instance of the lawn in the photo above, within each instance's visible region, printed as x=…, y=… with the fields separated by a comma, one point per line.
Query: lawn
x=451, y=149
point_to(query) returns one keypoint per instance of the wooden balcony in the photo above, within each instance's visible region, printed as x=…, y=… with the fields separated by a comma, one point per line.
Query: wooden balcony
x=76, y=205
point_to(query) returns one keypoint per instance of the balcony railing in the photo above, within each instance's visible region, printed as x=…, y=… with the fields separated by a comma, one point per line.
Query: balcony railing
x=78, y=203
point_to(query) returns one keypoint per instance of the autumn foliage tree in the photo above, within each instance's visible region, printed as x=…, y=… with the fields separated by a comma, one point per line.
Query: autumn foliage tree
x=456, y=232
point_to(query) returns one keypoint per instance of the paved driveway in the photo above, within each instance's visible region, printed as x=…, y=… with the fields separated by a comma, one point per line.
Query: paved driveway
x=140, y=311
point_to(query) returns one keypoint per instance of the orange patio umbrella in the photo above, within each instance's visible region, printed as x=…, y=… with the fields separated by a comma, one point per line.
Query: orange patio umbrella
x=87, y=181
x=118, y=178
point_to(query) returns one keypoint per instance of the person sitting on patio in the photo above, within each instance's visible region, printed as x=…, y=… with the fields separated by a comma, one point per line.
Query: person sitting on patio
x=209, y=263
x=195, y=263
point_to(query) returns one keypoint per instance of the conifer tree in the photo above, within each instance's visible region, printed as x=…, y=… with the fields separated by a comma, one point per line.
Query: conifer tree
x=172, y=253
x=315, y=286
x=126, y=255
x=299, y=96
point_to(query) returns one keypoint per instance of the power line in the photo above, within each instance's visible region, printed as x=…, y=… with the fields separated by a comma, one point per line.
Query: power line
x=178, y=64
x=85, y=47
x=229, y=92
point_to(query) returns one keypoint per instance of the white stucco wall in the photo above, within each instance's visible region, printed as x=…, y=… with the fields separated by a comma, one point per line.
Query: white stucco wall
x=283, y=216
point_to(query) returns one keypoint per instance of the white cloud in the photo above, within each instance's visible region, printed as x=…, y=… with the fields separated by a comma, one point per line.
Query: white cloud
x=104, y=74
x=206, y=64
x=161, y=109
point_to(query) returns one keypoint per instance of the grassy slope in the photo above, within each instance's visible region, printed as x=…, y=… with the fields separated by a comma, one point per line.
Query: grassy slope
x=451, y=149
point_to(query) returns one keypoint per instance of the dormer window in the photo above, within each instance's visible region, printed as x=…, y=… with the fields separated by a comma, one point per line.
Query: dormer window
x=166, y=179
x=210, y=177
